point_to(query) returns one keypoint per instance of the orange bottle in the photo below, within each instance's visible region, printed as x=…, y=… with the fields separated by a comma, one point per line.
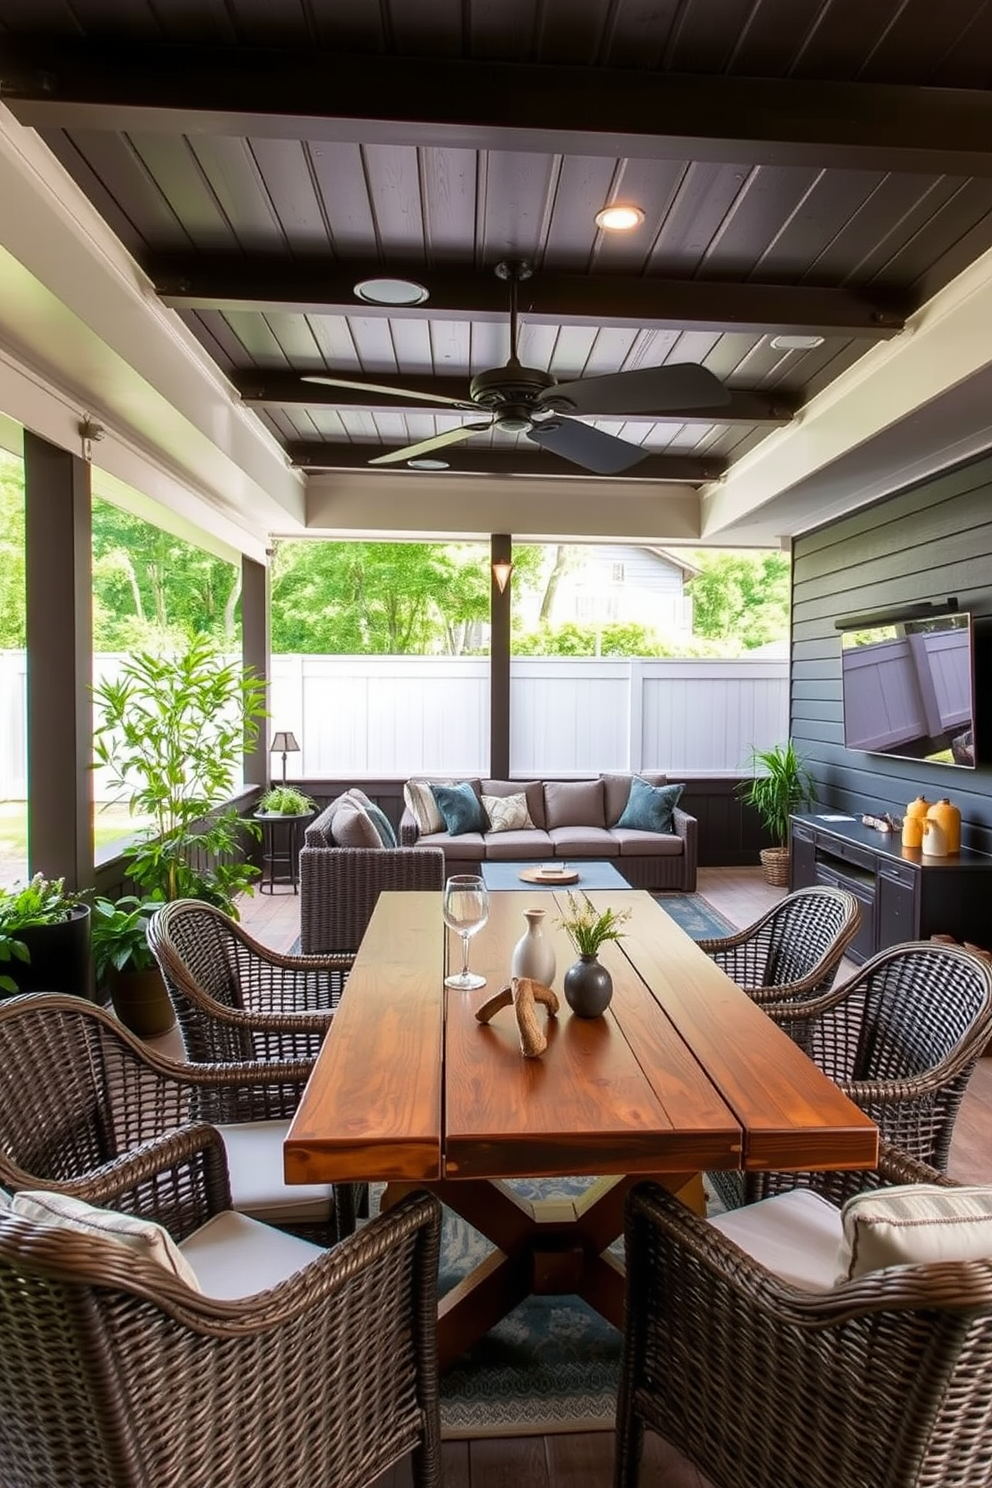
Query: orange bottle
x=948, y=817
x=919, y=807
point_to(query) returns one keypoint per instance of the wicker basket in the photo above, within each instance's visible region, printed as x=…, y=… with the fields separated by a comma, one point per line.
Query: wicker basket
x=775, y=862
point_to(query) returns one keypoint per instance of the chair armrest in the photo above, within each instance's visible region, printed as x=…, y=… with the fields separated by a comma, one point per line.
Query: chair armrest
x=178, y=1179
x=339, y=887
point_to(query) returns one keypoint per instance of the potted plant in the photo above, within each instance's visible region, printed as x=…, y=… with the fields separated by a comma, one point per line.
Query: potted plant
x=171, y=731
x=125, y=965
x=285, y=800
x=44, y=938
x=783, y=787
x=587, y=985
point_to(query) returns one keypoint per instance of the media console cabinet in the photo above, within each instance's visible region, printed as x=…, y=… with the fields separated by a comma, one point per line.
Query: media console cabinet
x=903, y=895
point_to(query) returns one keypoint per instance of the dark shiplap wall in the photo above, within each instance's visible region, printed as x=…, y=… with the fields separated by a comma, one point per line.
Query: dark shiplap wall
x=929, y=542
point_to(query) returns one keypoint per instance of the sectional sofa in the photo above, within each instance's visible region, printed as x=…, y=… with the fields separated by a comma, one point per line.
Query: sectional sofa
x=571, y=819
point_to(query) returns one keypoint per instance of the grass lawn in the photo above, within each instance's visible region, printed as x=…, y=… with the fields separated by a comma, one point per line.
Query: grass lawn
x=110, y=824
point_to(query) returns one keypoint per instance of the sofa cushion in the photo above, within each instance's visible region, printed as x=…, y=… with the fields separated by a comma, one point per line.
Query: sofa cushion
x=461, y=809
x=574, y=803
x=353, y=827
x=532, y=789
x=584, y=842
x=647, y=844
x=422, y=806
x=507, y=813
x=504, y=847
x=470, y=847
x=914, y=1224
x=650, y=807
x=617, y=791
x=379, y=819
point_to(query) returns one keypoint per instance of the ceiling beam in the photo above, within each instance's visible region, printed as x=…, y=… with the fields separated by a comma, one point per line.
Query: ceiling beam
x=314, y=455
x=60, y=82
x=327, y=287
x=286, y=389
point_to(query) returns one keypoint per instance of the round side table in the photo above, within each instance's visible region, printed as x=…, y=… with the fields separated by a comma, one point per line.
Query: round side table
x=280, y=848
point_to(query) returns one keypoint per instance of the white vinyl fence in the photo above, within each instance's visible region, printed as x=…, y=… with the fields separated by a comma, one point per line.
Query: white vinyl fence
x=376, y=717
x=387, y=717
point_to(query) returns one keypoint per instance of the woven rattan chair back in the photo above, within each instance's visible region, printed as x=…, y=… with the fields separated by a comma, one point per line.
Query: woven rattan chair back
x=211, y=966
x=113, y=1374
x=885, y=1382
x=794, y=950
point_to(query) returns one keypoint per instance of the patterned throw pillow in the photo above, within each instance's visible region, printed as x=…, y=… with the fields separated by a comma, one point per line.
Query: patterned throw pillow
x=507, y=813
x=914, y=1224
x=649, y=807
x=460, y=809
x=142, y=1236
x=419, y=798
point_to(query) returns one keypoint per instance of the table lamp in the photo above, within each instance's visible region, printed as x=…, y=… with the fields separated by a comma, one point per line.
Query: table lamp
x=284, y=743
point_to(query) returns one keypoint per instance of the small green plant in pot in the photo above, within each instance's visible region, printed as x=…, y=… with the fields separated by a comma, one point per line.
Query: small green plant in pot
x=588, y=986
x=285, y=800
x=171, y=732
x=780, y=787
x=125, y=964
x=44, y=938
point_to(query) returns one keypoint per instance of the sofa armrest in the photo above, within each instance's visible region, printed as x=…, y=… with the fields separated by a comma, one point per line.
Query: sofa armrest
x=339, y=887
x=687, y=827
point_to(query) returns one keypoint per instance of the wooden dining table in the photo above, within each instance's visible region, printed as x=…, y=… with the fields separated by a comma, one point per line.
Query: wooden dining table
x=683, y=1073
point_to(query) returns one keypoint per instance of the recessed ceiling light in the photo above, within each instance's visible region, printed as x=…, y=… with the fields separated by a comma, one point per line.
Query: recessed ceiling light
x=796, y=343
x=426, y=464
x=619, y=218
x=391, y=292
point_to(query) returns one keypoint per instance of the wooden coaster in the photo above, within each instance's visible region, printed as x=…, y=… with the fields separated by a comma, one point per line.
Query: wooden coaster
x=534, y=875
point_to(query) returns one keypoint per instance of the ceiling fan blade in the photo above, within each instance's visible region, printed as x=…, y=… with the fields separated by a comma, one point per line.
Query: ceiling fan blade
x=426, y=446
x=604, y=454
x=648, y=390
x=390, y=392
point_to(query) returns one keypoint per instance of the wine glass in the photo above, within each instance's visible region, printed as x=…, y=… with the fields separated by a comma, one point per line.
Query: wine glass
x=466, y=909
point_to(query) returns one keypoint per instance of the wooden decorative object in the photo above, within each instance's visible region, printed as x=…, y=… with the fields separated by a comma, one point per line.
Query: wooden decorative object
x=523, y=993
x=534, y=875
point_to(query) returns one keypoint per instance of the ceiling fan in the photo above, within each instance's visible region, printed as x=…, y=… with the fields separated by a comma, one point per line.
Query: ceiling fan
x=524, y=400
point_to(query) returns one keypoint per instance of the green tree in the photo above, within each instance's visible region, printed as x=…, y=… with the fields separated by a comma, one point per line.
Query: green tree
x=12, y=583
x=741, y=597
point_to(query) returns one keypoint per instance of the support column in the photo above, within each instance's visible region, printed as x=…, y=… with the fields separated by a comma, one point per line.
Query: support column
x=58, y=563
x=501, y=550
x=255, y=655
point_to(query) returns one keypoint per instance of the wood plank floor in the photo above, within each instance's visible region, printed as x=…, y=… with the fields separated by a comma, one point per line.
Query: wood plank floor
x=585, y=1460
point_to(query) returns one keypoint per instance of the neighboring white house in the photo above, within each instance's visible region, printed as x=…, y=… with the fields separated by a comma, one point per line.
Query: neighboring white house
x=610, y=584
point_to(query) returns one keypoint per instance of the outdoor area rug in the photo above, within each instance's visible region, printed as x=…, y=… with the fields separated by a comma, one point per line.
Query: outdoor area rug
x=695, y=916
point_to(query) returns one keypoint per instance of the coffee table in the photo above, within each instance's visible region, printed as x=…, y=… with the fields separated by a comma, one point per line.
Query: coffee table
x=593, y=874
x=682, y=1074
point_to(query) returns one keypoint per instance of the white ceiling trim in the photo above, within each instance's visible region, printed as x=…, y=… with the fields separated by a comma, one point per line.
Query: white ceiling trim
x=78, y=312
x=944, y=344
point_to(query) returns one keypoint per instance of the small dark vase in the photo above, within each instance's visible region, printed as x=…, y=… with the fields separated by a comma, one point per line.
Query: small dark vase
x=588, y=987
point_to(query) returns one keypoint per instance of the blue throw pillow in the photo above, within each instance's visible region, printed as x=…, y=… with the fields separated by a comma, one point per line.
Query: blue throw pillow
x=649, y=807
x=460, y=808
x=382, y=824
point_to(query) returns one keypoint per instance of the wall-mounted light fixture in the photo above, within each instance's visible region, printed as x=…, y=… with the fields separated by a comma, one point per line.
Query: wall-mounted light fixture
x=90, y=432
x=502, y=569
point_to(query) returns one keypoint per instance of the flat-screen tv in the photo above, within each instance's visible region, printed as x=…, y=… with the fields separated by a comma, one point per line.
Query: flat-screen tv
x=909, y=688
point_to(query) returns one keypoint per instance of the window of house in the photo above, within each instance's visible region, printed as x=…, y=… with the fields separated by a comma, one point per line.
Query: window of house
x=618, y=573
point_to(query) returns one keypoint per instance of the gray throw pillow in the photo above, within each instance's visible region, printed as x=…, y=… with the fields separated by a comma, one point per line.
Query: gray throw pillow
x=460, y=808
x=353, y=827
x=574, y=803
x=649, y=807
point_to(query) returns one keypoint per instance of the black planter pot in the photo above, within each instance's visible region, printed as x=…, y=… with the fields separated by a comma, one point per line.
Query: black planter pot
x=141, y=1001
x=588, y=987
x=60, y=957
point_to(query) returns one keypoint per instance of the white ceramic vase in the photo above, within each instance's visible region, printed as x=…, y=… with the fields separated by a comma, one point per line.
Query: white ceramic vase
x=533, y=954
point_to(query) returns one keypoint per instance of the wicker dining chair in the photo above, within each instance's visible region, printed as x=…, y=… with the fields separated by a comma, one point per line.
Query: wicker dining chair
x=80, y=1091
x=884, y=1381
x=116, y=1371
x=236, y=999
x=794, y=950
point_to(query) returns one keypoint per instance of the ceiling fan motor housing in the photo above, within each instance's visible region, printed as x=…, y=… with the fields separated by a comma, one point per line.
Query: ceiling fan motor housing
x=510, y=392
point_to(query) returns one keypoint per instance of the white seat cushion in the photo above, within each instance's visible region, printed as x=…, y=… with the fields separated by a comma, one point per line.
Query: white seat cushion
x=234, y=1256
x=913, y=1224
x=143, y=1237
x=255, y=1163
x=797, y=1235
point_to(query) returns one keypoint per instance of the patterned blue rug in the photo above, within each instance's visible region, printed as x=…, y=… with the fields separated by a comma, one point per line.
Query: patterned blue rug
x=694, y=915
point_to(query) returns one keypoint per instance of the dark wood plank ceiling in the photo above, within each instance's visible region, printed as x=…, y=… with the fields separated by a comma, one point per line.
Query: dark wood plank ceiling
x=804, y=167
